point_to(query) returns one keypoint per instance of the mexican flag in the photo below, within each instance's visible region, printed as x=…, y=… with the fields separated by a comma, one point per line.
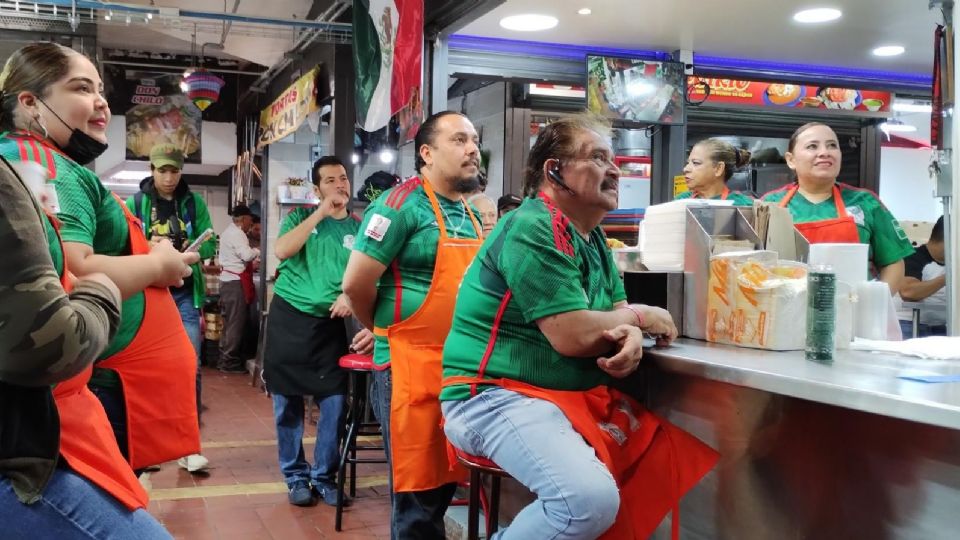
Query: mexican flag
x=387, y=57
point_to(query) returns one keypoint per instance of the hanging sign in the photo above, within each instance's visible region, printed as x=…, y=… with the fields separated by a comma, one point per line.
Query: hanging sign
x=774, y=94
x=288, y=111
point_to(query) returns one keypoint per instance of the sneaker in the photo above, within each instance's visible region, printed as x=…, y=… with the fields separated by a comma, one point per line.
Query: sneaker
x=328, y=493
x=232, y=369
x=194, y=463
x=300, y=494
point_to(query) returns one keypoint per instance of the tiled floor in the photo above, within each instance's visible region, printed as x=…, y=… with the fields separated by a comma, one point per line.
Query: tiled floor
x=243, y=496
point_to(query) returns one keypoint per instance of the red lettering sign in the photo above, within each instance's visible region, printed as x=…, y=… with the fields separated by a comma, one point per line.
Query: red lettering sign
x=148, y=90
x=147, y=100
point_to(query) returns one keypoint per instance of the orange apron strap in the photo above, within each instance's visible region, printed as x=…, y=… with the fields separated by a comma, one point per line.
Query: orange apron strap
x=725, y=193
x=838, y=202
x=786, y=199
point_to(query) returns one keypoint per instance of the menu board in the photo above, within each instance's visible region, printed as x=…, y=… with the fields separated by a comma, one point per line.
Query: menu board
x=775, y=94
x=635, y=91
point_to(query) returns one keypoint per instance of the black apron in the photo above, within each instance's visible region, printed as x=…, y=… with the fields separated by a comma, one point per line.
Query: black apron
x=302, y=352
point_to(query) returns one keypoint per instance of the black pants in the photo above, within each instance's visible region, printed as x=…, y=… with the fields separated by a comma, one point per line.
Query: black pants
x=233, y=308
x=415, y=515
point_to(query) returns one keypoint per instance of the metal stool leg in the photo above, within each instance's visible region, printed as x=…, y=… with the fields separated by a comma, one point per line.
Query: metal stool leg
x=493, y=520
x=473, y=506
x=359, y=402
x=353, y=420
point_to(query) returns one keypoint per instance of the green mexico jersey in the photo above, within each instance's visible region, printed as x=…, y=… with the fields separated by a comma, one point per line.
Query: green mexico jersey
x=739, y=199
x=877, y=227
x=89, y=214
x=400, y=230
x=312, y=279
x=533, y=265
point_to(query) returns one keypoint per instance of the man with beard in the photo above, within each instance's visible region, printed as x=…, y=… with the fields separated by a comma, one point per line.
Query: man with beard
x=426, y=234
x=306, y=335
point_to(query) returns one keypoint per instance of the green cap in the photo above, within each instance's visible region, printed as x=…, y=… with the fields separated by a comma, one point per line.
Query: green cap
x=166, y=154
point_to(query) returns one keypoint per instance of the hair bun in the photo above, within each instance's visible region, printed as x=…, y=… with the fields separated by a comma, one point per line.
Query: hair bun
x=742, y=157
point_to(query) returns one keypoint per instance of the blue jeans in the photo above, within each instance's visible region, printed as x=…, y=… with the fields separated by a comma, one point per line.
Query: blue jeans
x=73, y=508
x=923, y=330
x=534, y=441
x=288, y=413
x=414, y=515
x=190, y=316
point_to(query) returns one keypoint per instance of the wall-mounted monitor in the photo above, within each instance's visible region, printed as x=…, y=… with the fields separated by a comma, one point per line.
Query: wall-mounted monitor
x=632, y=91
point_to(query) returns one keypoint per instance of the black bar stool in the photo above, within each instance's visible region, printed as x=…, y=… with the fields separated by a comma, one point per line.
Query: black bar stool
x=480, y=467
x=359, y=367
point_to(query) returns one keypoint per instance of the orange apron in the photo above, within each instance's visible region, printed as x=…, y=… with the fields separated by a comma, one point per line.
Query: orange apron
x=654, y=462
x=158, y=370
x=418, y=445
x=87, y=442
x=842, y=229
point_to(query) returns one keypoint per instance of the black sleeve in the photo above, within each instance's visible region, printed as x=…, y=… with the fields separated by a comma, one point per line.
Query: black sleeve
x=913, y=264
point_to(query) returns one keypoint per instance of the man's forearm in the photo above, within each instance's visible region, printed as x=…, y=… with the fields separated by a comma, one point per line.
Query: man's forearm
x=293, y=240
x=362, y=301
x=915, y=290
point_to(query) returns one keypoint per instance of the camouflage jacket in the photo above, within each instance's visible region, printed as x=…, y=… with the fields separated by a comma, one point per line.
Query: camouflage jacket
x=46, y=337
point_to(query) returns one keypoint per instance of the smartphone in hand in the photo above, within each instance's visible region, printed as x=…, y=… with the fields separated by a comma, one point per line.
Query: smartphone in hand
x=195, y=245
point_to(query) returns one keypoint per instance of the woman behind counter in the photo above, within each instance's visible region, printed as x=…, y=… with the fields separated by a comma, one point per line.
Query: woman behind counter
x=826, y=211
x=61, y=473
x=709, y=167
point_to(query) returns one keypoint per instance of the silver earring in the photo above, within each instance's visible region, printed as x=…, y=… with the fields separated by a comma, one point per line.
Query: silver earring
x=39, y=120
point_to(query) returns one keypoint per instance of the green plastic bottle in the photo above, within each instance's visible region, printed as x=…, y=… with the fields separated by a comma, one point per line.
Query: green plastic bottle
x=821, y=314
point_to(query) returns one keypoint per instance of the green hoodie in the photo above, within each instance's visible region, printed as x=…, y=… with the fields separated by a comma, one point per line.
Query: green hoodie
x=194, y=213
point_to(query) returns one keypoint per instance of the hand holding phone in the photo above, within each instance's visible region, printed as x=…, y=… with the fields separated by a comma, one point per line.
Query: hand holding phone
x=195, y=245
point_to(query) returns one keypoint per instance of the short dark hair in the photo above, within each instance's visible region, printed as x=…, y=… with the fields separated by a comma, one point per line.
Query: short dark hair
x=556, y=141
x=427, y=134
x=936, y=233
x=256, y=218
x=323, y=162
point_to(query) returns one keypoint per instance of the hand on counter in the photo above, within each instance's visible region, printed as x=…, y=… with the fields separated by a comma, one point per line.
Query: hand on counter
x=658, y=322
x=629, y=340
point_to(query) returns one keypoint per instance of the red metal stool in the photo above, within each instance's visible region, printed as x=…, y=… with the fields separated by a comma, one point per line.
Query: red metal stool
x=478, y=467
x=359, y=367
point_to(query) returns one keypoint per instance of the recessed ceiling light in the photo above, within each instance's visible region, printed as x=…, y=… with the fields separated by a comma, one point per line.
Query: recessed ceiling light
x=584, y=11
x=888, y=50
x=817, y=15
x=528, y=22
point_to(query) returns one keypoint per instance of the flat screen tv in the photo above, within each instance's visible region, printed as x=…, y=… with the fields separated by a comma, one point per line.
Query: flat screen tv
x=632, y=91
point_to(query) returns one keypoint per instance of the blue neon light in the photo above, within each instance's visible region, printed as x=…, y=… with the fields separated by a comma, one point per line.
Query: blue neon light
x=867, y=77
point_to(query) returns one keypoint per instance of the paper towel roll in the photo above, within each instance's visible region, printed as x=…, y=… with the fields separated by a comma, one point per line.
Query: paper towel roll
x=873, y=305
x=849, y=261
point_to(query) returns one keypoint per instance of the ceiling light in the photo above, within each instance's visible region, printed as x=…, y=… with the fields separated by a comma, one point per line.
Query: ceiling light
x=913, y=107
x=889, y=50
x=528, y=22
x=386, y=156
x=817, y=15
x=354, y=158
x=896, y=126
x=584, y=11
